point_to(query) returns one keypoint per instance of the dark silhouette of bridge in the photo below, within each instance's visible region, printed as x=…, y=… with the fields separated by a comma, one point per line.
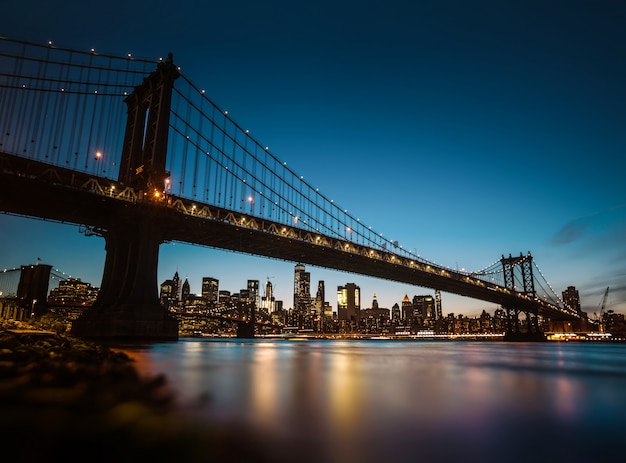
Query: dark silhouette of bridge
x=134, y=152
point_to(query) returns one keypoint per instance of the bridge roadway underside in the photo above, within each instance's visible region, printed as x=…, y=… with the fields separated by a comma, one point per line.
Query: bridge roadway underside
x=23, y=195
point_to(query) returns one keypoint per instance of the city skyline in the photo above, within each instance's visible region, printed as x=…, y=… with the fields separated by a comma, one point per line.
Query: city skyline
x=464, y=132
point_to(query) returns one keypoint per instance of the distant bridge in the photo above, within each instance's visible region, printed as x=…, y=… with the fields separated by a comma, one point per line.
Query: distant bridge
x=111, y=143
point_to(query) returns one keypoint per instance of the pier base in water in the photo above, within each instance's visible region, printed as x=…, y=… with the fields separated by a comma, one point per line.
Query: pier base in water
x=519, y=336
x=245, y=330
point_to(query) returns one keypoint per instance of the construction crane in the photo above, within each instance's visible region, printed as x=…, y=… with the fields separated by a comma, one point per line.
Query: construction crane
x=602, y=305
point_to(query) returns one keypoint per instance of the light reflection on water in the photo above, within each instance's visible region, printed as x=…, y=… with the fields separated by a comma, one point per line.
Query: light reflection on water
x=362, y=401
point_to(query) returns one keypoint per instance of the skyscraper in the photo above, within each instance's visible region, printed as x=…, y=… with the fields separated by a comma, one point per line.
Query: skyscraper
x=185, y=291
x=407, y=308
x=176, y=287
x=170, y=291
x=210, y=289
x=438, y=310
x=253, y=292
x=267, y=301
x=571, y=298
x=424, y=306
x=349, y=302
x=319, y=301
x=301, y=290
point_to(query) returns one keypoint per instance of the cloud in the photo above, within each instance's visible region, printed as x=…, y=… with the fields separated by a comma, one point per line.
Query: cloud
x=569, y=233
x=577, y=228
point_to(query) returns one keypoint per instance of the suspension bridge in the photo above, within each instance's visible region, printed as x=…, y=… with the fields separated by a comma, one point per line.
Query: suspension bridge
x=131, y=150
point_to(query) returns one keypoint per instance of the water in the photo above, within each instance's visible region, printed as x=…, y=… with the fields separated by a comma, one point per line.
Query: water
x=396, y=401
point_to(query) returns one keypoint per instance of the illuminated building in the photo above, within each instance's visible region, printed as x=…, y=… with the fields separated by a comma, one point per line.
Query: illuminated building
x=407, y=308
x=349, y=302
x=253, y=292
x=424, y=306
x=170, y=291
x=210, y=290
x=375, y=311
x=72, y=292
x=395, y=312
x=267, y=301
x=185, y=291
x=301, y=290
x=571, y=298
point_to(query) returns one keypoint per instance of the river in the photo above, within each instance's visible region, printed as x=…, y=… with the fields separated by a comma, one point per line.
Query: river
x=405, y=401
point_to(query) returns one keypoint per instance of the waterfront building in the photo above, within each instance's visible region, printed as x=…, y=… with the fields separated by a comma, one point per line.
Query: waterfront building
x=571, y=298
x=72, y=292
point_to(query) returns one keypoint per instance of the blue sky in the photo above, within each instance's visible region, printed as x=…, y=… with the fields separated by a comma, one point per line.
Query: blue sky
x=464, y=130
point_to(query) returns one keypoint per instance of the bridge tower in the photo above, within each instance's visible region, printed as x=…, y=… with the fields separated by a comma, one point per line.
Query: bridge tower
x=128, y=305
x=142, y=165
x=525, y=270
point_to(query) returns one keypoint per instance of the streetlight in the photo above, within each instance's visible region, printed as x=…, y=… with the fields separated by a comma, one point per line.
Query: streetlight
x=98, y=156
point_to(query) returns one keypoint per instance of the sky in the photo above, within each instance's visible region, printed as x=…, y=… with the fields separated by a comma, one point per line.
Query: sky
x=463, y=130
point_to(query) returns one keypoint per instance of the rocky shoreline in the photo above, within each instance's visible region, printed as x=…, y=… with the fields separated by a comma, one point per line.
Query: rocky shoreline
x=66, y=397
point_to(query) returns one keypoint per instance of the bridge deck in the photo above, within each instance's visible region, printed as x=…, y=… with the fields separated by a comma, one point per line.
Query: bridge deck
x=36, y=189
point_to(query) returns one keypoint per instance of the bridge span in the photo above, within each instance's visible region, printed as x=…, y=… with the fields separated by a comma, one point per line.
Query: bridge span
x=109, y=208
x=241, y=197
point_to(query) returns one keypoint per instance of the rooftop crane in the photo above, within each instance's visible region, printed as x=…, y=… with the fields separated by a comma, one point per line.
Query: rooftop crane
x=602, y=305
